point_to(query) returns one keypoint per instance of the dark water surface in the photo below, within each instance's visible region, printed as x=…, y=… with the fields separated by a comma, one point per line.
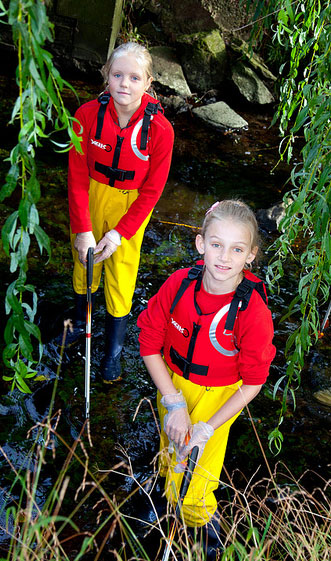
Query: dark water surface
x=207, y=166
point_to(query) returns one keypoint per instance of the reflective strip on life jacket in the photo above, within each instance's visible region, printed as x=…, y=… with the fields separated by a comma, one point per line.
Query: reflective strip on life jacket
x=212, y=331
x=113, y=173
x=134, y=141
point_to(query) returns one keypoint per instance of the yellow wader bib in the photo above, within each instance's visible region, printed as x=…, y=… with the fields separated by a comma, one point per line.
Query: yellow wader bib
x=107, y=206
x=202, y=402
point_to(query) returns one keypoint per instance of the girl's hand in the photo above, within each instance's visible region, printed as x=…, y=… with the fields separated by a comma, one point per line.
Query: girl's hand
x=107, y=246
x=201, y=433
x=82, y=243
x=177, y=422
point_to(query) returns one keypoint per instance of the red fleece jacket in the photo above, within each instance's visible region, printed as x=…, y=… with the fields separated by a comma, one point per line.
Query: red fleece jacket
x=253, y=332
x=151, y=166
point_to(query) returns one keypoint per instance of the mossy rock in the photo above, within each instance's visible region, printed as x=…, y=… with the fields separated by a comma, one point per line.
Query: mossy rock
x=168, y=73
x=244, y=50
x=204, y=59
x=250, y=85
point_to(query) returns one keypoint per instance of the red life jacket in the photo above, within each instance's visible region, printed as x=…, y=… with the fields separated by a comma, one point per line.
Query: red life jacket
x=107, y=147
x=199, y=346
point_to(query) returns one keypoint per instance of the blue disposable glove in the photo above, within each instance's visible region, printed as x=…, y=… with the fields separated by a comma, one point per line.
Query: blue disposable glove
x=177, y=422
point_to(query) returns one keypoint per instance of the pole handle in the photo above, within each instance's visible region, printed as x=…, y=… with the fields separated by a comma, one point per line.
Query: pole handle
x=188, y=472
x=89, y=267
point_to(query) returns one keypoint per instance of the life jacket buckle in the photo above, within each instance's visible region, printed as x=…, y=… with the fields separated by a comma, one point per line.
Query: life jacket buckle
x=148, y=110
x=243, y=290
x=104, y=98
x=151, y=109
x=194, y=272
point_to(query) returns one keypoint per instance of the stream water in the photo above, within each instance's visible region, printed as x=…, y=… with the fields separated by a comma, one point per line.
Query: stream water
x=207, y=166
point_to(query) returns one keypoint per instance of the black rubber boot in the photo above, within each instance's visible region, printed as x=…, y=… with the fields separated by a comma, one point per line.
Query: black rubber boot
x=115, y=334
x=208, y=537
x=211, y=536
x=79, y=321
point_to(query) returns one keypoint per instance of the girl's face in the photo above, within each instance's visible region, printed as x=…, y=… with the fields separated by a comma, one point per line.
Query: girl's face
x=227, y=247
x=127, y=83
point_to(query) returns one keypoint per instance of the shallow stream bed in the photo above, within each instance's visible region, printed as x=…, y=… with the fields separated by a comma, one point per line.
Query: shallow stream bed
x=207, y=166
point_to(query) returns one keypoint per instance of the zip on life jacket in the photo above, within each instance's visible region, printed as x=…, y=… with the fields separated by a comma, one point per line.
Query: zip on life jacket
x=238, y=303
x=113, y=173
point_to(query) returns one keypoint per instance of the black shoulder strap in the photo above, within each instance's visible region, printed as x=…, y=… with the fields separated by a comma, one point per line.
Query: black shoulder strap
x=192, y=275
x=243, y=294
x=150, y=109
x=259, y=287
x=103, y=99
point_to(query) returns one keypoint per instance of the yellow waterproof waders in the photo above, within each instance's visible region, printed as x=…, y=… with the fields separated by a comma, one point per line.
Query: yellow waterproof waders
x=107, y=206
x=202, y=402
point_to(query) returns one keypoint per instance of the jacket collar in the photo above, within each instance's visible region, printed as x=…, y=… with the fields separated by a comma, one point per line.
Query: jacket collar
x=146, y=98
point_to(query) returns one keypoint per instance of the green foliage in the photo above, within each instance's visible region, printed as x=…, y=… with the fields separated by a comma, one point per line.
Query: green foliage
x=128, y=31
x=303, y=31
x=39, y=104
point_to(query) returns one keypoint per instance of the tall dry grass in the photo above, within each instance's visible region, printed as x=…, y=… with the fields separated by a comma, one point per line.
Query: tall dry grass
x=269, y=519
x=274, y=518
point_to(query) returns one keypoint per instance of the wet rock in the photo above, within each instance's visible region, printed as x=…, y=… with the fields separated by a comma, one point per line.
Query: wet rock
x=6, y=519
x=152, y=32
x=245, y=51
x=175, y=103
x=203, y=58
x=191, y=16
x=323, y=396
x=220, y=115
x=168, y=72
x=5, y=410
x=250, y=85
x=176, y=17
x=269, y=218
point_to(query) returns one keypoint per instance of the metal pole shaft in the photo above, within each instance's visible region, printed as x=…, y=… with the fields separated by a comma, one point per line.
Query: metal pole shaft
x=182, y=492
x=89, y=277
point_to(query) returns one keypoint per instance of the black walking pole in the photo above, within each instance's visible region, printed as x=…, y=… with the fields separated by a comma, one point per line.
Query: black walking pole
x=191, y=462
x=89, y=277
